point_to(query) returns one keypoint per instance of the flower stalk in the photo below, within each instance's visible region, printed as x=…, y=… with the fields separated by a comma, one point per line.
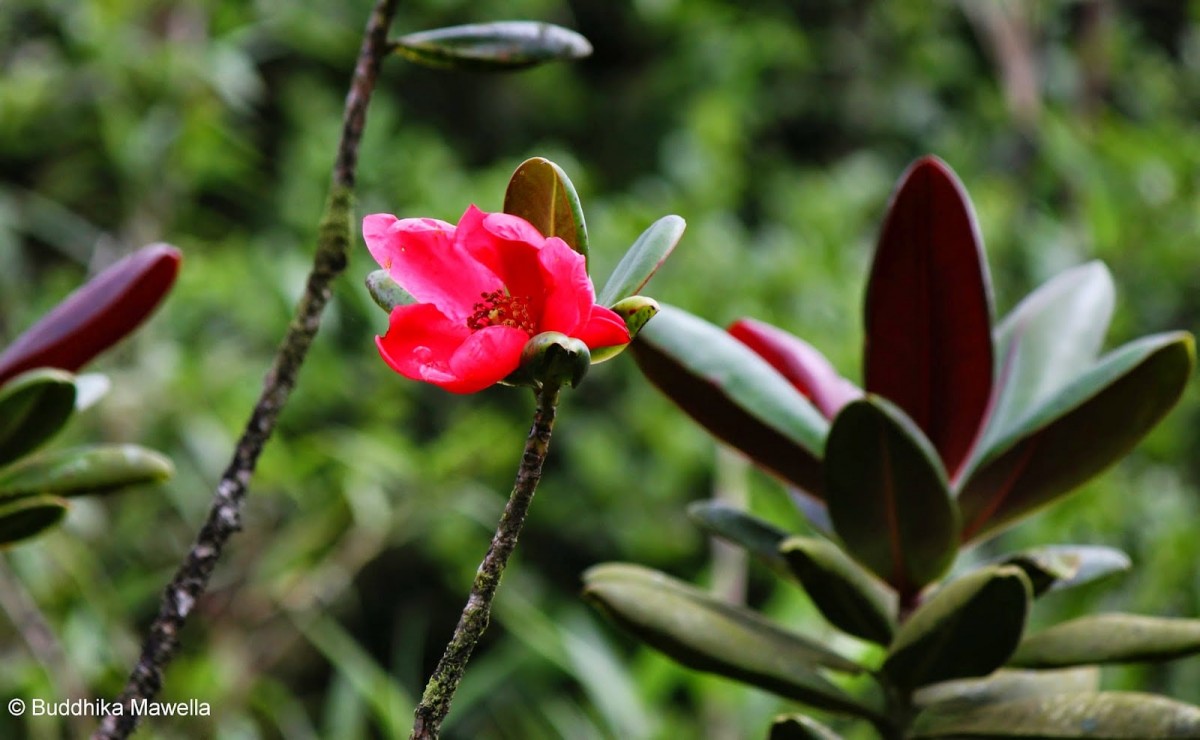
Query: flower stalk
x=440, y=689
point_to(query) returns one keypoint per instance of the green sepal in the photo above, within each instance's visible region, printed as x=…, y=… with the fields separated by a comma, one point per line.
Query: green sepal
x=1114, y=715
x=552, y=358
x=80, y=471
x=887, y=495
x=386, y=292
x=34, y=406
x=542, y=194
x=1007, y=684
x=499, y=46
x=1056, y=567
x=849, y=597
x=27, y=517
x=760, y=538
x=705, y=634
x=967, y=628
x=643, y=259
x=635, y=310
x=800, y=727
x=1109, y=638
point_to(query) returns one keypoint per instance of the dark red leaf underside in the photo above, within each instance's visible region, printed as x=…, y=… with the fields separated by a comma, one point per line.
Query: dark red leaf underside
x=928, y=311
x=97, y=315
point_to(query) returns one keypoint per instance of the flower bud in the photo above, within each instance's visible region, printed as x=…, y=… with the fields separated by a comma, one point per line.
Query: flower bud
x=635, y=311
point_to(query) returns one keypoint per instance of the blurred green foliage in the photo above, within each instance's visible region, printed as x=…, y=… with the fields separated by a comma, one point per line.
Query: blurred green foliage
x=775, y=128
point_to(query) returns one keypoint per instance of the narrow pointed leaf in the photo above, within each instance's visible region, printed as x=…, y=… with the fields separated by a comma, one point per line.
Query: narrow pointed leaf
x=735, y=394
x=703, y=633
x=968, y=628
x=1109, y=638
x=799, y=362
x=84, y=470
x=1046, y=342
x=760, y=538
x=1111, y=715
x=929, y=311
x=542, y=194
x=500, y=46
x=846, y=595
x=887, y=495
x=386, y=292
x=642, y=260
x=33, y=408
x=1006, y=685
x=27, y=517
x=97, y=315
x=799, y=727
x=1080, y=431
x=1055, y=567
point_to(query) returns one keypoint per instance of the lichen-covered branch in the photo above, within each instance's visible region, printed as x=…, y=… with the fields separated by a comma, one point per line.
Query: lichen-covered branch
x=439, y=691
x=224, y=517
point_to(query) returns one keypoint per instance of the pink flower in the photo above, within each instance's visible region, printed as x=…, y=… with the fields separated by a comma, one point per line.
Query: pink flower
x=483, y=289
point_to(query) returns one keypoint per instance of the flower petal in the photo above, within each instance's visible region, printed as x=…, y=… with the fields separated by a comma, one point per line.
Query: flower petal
x=487, y=357
x=421, y=255
x=604, y=328
x=420, y=343
x=571, y=296
x=509, y=246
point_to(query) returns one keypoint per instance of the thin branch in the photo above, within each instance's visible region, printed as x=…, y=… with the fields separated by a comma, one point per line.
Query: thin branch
x=224, y=517
x=439, y=691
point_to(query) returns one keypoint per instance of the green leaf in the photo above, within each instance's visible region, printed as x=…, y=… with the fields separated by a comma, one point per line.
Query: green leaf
x=642, y=260
x=500, y=46
x=1055, y=567
x=386, y=292
x=761, y=539
x=799, y=727
x=1077, y=433
x=735, y=394
x=1109, y=638
x=84, y=470
x=34, y=406
x=703, y=633
x=849, y=597
x=887, y=495
x=1006, y=685
x=1115, y=715
x=542, y=194
x=968, y=628
x=1047, y=341
x=27, y=517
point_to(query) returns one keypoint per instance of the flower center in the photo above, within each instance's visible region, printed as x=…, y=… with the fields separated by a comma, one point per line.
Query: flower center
x=500, y=309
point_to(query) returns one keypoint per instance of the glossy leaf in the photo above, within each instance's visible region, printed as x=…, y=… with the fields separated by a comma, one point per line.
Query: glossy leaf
x=929, y=311
x=642, y=260
x=968, y=628
x=799, y=727
x=84, y=470
x=760, y=538
x=1007, y=684
x=27, y=517
x=1080, y=431
x=1114, y=715
x=1109, y=638
x=703, y=633
x=386, y=292
x=1047, y=341
x=887, y=495
x=799, y=362
x=846, y=595
x=33, y=408
x=97, y=315
x=1055, y=567
x=735, y=394
x=635, y=310
x=500, y=46
x=542, y=194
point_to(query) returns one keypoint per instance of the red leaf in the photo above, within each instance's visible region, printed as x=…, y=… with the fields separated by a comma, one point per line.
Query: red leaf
x=97, y=315
x=929, y=313
x=802, y=364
